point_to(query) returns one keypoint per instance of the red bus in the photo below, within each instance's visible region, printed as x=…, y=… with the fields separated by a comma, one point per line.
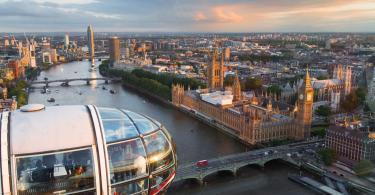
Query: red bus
x=202, y=163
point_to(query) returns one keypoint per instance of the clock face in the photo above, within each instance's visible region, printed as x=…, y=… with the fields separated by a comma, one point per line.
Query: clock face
x=309, y=97
x=301, y=97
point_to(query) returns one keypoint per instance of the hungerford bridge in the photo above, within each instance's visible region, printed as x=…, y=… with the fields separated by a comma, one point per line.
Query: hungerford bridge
x=234, y=162
x=67, y=81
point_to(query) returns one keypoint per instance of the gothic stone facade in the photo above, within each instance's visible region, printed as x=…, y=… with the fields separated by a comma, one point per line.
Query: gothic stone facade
x=249, y=121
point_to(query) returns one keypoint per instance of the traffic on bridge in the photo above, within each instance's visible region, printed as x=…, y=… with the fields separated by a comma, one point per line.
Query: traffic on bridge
x=234, y=162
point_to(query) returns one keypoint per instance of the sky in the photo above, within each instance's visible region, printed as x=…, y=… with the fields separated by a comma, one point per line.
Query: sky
x=187, y=15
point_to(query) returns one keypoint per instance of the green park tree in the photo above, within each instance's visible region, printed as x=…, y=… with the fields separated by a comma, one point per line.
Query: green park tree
x=252, y=83
x=364, y=167
x=229, y=80
x=328, y=156
x=350, y=102
x=324, y=111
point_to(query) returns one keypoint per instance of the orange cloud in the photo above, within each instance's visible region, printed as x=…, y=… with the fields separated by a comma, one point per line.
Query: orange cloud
x=225, y=14
x=199, y=16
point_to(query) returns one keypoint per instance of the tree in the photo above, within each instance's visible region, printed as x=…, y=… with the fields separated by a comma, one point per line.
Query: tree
x=322, y=77
x=361, y=94
x=350, y=102
x=229, y=80
x=364, y=167
x=19, y=91
x=328, y=155
x=323, y=111
x=252, y=83
x=318, y=131
x=274, y=89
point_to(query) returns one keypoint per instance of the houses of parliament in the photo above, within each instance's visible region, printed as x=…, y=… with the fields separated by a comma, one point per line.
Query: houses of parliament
x=253, y=119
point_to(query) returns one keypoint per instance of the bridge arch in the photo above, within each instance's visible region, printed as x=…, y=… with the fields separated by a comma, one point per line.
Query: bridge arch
x=190, y=180
x=229, y=171
x=250, y=164
x=271, y=161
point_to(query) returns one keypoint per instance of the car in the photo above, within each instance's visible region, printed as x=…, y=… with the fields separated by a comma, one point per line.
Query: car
x=202, y=163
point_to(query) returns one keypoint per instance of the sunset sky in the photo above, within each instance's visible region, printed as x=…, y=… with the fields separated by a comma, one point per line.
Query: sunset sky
x=188, y=15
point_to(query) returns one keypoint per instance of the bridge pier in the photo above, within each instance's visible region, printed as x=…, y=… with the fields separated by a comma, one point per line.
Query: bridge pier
x=46, y=84
x=234, y=172
x=88, y=82
x=106, y=81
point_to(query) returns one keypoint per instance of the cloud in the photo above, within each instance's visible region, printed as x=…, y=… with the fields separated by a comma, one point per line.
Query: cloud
x=190, y=15
x=199, y=16
x=62, y=2
x=224, y=14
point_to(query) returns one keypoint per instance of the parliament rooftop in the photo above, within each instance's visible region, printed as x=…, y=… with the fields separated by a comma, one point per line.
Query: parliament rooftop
x=84, y=149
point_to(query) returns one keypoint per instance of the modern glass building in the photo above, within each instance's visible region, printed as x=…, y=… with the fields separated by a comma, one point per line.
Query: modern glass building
x=84, y=150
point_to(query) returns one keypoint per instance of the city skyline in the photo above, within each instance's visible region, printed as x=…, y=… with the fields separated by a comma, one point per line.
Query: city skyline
x=187, y=16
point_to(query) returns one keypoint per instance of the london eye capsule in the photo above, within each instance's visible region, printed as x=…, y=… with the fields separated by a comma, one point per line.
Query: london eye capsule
x=84, y=150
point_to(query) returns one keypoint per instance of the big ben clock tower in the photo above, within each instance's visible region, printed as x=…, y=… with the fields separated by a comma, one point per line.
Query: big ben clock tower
x=305, y=104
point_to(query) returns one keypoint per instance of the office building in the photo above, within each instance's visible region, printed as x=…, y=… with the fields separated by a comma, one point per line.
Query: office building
x=66, y=41
x=114, y=50
x=351, y=141
x=90, y=41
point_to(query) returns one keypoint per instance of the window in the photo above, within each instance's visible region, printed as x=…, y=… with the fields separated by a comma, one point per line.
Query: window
x=117, y=126
x=161, y=181
x=135, y=187
x=127, y=161
x=65, y=172
x=144, y=125
x=159, y=151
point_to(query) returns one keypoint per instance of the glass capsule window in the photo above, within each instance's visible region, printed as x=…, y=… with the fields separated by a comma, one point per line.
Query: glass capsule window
x=143, y=124
x=117, y=126
x=159, y=151
x=159, y=181
x=134, y=187
x=127, y=161
x=58, y=173
x=138, y=147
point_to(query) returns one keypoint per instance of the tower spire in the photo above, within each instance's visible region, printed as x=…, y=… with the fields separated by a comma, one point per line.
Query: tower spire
x=237, y=89
x=307, y=78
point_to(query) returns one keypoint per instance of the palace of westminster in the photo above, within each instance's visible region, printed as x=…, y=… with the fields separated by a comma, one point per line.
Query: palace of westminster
x=254, y=119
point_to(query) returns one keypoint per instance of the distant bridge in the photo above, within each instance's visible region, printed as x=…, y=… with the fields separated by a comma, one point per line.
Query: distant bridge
x=67, y=81
x=234, y=162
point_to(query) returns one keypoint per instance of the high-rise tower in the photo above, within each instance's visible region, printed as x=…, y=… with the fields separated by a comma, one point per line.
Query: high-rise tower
x=114, y=50
x=66, y=41
x=304, y=113
x=90, y=41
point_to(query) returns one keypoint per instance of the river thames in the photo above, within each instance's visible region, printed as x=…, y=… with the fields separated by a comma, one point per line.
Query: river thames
x=194, y=140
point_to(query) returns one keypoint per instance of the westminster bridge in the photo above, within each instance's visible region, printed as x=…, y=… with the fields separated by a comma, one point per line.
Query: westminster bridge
x=232, y=163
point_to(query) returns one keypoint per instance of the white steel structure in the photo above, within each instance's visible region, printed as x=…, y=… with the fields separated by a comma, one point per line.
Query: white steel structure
x=83, y=150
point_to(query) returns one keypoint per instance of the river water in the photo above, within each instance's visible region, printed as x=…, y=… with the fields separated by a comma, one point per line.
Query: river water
x=194, y=140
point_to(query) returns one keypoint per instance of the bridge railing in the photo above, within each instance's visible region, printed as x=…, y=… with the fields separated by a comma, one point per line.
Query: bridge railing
x=240, y=159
